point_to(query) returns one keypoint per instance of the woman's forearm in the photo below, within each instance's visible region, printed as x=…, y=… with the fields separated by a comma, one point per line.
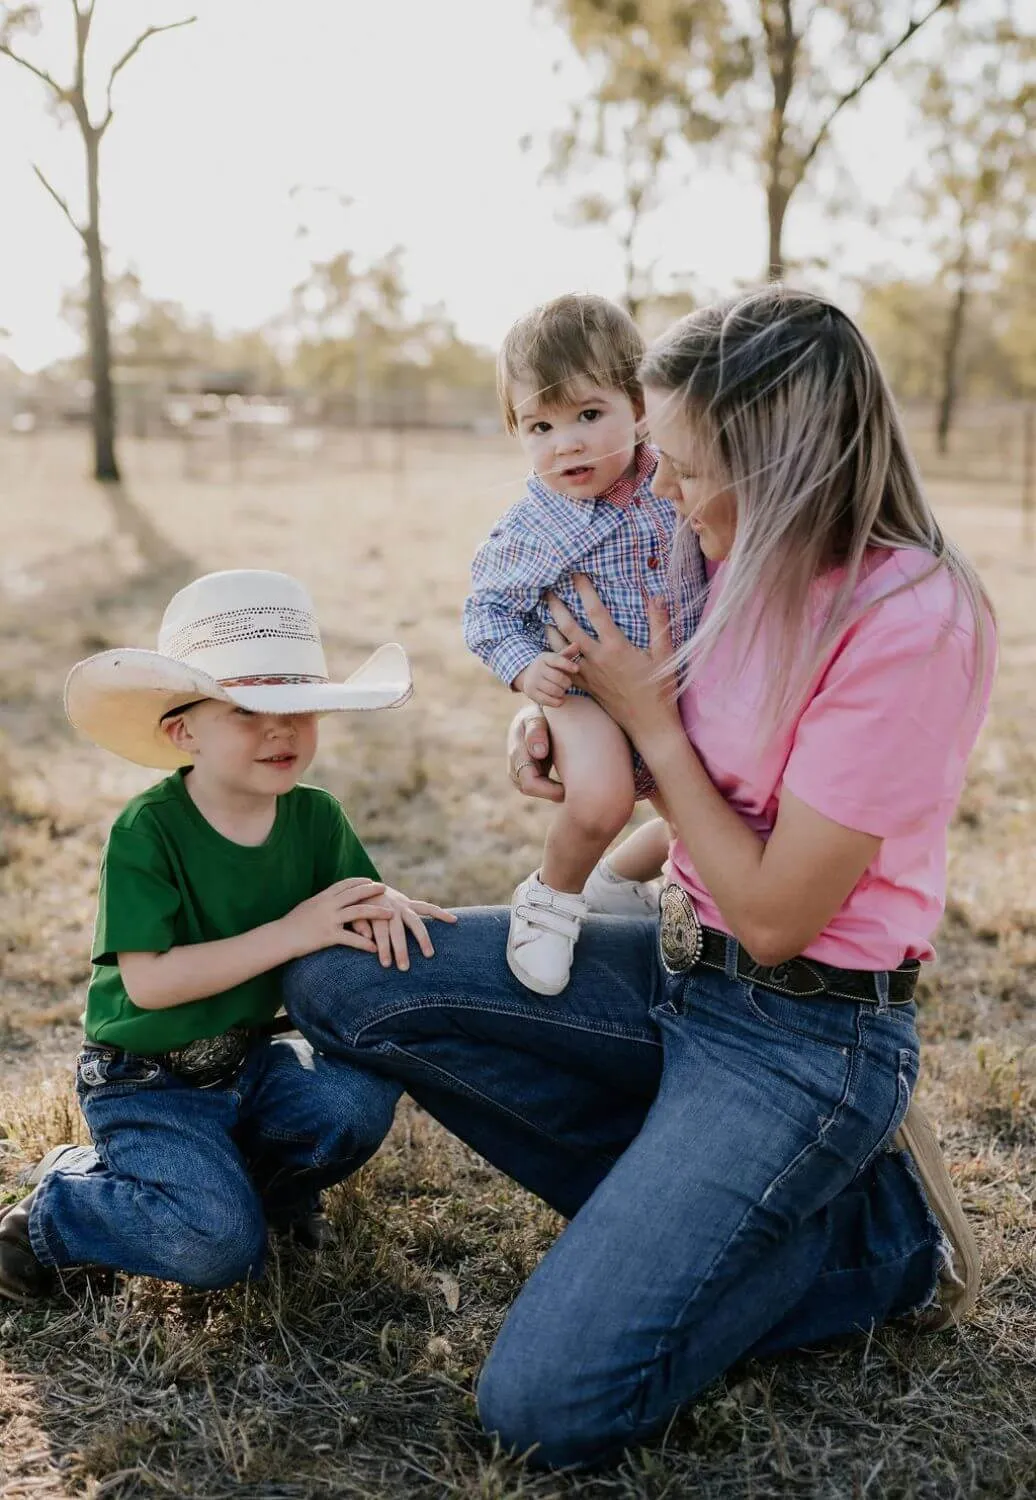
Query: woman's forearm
x=776, y=894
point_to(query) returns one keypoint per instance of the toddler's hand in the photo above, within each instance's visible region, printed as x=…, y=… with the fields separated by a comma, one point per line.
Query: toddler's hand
x=405, y=916
x=547, y=679
x=320, y=921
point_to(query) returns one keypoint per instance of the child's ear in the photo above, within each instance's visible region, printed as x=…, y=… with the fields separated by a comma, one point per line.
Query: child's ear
x=179, y=734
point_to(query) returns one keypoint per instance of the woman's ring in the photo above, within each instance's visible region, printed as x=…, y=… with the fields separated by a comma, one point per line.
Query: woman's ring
x=520, y=767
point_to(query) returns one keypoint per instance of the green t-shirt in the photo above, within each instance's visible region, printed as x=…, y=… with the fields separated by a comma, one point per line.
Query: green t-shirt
x=168, y=878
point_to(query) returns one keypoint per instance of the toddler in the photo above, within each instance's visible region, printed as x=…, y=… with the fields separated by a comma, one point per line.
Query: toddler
x=569, y=389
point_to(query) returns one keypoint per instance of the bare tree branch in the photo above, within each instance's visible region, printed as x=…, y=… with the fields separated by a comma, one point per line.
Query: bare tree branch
x=131, y=52
x=40, y=73
x=858, y=88
x=60, y=202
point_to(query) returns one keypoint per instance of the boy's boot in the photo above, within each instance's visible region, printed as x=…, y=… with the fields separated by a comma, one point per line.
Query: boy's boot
x=310, y=1231
x=57, y=1156
x=22, y=1277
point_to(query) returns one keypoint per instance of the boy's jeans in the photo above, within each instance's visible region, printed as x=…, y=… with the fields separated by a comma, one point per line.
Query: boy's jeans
x=183, y=1182
x=720, y=1150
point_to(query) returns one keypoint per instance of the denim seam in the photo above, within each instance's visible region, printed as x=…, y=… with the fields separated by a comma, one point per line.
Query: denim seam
x=294, y=1138
x=465, y=1089
x=532, y=1012
x=941, y=1238
x=795, y=1031
x=903, y=1096
x=736, y=1232
x=47, y=1245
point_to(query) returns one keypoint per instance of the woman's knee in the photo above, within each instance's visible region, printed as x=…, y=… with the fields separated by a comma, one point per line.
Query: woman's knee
x=322, y=993
x=537, y=1408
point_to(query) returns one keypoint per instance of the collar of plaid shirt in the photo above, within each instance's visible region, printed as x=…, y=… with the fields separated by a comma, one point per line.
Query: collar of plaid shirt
x=621, y=494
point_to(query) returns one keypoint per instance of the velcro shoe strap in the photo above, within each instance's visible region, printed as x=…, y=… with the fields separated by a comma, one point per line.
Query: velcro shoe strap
x=552, y=911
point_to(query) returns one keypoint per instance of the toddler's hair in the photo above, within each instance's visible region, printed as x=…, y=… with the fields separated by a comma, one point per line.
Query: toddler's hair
x=578, y=336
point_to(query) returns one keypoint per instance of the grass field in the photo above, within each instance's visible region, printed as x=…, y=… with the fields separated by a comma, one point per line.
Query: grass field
x=352, y=1375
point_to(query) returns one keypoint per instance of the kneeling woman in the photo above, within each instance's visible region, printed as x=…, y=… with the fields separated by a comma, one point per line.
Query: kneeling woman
x=713, y=1105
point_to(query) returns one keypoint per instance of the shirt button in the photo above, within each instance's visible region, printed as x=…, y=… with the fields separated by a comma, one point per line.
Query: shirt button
x=636, y=499
x=652, y=562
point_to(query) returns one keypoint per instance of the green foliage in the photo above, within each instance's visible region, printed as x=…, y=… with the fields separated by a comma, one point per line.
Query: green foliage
x=907, y=321
x=351, y=329
x=978, y=117
x=346, y=328
x=1016, y=302
x=765, y=79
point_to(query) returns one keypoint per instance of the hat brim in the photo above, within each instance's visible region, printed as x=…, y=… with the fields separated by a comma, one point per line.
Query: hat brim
x=118, y=698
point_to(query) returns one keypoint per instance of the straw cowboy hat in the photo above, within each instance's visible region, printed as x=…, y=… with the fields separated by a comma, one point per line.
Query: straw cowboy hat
x=244, y=636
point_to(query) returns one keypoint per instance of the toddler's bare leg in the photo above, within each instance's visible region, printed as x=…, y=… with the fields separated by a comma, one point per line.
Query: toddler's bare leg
x=641, y=856
x=593, y=759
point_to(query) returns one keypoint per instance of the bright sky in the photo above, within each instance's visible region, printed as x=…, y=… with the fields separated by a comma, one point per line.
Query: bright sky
x=413, y=110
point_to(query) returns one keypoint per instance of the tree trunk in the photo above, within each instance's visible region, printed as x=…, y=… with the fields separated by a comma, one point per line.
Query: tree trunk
x=631, y=292
x=630, y=297
x=951, y=364
x=782, y=45
x=103, y=408
x=776, y=209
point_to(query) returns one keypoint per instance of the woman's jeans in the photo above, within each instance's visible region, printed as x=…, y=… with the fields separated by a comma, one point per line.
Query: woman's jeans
x=183, y=1182
x=721, y=1151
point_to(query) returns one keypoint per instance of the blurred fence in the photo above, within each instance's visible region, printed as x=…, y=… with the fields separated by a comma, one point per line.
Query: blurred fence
x=991, y=441
x=234, y=436
x=991, y=450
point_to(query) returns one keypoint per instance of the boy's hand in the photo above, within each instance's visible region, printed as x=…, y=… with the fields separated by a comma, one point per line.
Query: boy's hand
x=321, y=921
x=389, y=936
x=548, y=678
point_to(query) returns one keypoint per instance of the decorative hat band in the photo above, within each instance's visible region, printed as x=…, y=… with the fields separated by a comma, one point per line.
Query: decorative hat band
x=288, y=677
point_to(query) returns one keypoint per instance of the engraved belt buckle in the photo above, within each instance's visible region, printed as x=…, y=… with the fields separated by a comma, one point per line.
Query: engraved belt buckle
x=210, y=1060
x=680, y=932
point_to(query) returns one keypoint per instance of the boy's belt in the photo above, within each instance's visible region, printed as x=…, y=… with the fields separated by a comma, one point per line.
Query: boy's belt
x=685, y=944
x=208, y=1060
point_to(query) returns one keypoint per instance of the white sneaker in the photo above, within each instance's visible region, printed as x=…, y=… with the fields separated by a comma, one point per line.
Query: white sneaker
x=545, y=925
x=614, y=896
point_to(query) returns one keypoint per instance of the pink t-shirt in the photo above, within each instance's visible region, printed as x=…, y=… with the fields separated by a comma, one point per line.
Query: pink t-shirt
x=881, y=747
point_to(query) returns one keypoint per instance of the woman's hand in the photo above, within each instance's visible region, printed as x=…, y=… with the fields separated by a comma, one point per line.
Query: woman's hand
x=389, y=933
x=635, y=687
x=529, y=755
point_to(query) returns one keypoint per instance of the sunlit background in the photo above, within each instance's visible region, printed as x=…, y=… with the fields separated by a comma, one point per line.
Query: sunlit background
x=257, y=121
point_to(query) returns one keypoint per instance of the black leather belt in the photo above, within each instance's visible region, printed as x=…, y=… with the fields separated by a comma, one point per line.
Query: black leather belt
x=685, y=944
x=207, y=1061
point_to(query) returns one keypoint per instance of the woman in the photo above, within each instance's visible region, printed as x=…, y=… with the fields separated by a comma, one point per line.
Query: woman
x=713, y=1103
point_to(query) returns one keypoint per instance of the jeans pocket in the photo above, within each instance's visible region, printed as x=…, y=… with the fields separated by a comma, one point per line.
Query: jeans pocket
x=113, y=1072
x=830, y=1023
x=906, y=1078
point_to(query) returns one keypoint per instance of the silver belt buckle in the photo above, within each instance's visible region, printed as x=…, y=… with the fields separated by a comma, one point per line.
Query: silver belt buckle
x=680, y=936
x=210, y=1060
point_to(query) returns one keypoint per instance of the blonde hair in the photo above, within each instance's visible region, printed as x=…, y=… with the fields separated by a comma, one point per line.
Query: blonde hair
x=575, y=337
x=798, y=420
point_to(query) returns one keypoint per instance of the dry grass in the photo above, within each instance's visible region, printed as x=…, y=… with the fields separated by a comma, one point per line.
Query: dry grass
x=352, y=1375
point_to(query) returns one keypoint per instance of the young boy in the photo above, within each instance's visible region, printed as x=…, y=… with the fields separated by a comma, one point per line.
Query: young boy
x=568, y=384
x=208, y=1131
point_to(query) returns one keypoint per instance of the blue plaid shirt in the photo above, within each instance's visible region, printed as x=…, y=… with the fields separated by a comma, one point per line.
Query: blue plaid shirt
x=622, y=541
